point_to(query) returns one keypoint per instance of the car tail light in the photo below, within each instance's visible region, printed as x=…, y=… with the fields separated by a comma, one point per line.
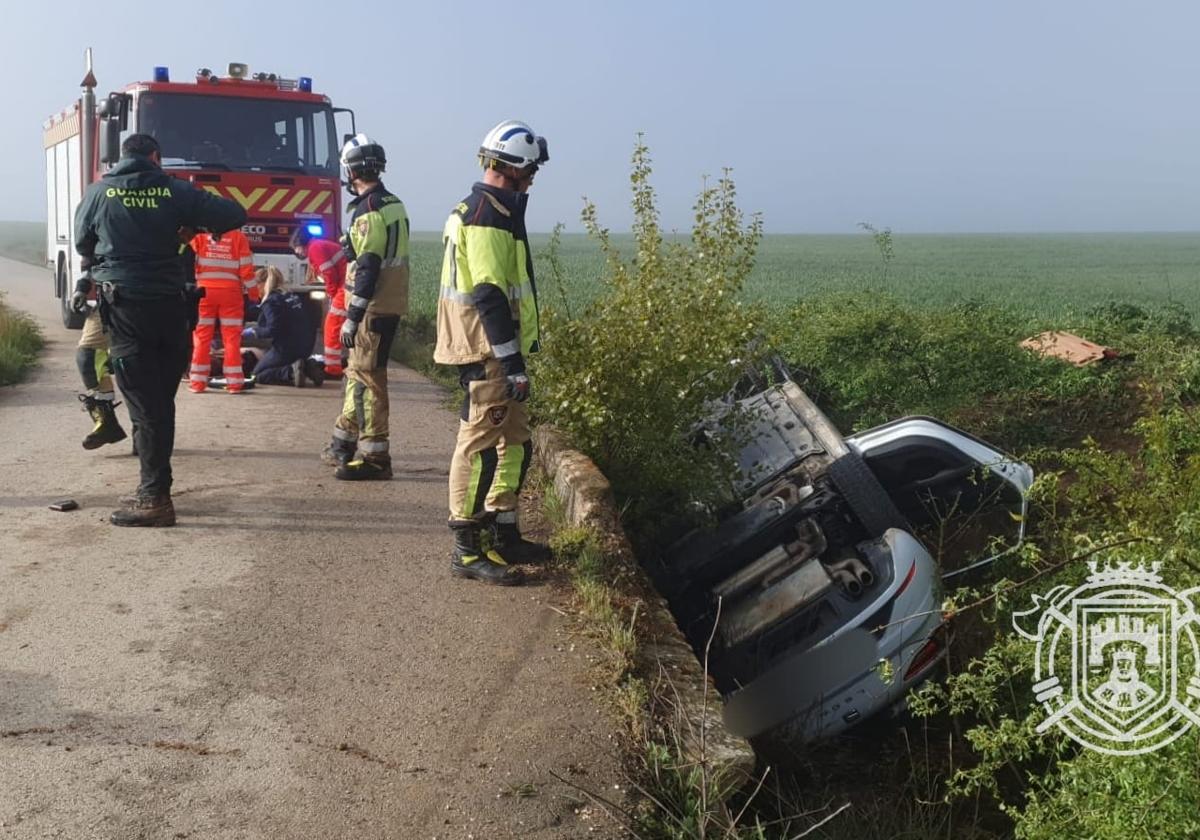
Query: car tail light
x=927, y=655
x=908, y=578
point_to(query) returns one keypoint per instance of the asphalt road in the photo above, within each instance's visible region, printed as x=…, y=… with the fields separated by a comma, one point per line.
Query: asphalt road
x=293, y=660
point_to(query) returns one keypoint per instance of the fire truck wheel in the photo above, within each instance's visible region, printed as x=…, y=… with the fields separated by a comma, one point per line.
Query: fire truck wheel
x=71, y=319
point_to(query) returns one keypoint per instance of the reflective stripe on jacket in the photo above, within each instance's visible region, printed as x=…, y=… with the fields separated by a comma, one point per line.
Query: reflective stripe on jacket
x=486, y=249
x=328, y=262
x=225, y=261
x=377, y=279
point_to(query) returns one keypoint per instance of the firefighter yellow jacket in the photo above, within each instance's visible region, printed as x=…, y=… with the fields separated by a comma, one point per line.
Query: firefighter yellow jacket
x=487, y=307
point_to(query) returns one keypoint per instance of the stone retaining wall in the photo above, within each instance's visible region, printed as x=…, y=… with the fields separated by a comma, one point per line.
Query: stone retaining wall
x=588, y=501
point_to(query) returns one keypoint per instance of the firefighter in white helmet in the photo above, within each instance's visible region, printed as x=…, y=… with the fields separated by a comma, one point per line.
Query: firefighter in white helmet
x=376, y=296
x=487, y=324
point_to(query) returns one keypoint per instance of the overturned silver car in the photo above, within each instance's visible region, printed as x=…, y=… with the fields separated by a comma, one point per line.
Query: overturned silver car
x=817, y=604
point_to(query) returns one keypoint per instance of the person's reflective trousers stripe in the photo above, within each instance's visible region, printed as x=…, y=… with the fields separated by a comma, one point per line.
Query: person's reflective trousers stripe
x=333, y=328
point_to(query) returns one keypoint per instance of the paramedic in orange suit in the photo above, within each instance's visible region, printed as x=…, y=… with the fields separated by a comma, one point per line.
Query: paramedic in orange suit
x=327, y=261
x=225, y=270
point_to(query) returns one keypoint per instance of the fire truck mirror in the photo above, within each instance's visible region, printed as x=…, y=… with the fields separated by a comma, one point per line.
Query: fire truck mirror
x=110, y=140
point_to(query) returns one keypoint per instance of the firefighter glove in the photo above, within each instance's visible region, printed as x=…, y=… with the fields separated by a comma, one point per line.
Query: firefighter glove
x=83, y=286
x=518, y=387
x=349, y=330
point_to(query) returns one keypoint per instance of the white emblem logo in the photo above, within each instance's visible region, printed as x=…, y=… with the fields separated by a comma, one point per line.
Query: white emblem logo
x=1108, y=656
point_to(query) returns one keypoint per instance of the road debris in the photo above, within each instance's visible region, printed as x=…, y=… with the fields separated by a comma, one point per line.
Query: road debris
x=1070, y=348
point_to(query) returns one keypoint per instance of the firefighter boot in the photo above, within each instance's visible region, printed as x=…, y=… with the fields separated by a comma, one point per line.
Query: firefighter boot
x=509, y=544
x=107, y=429
x=338, y=453
x=470, y=561
x=147, y=511
x=365, y=469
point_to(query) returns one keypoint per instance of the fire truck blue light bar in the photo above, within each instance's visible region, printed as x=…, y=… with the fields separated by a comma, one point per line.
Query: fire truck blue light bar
x=306, y=84
x=161, y=74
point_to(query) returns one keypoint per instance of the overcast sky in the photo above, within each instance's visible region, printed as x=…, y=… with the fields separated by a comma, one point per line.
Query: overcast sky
x=925, y=116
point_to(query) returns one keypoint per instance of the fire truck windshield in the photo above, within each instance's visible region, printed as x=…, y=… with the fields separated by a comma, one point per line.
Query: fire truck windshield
x=229, y=132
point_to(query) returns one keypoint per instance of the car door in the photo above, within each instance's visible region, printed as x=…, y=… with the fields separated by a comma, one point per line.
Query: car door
x=945, y=480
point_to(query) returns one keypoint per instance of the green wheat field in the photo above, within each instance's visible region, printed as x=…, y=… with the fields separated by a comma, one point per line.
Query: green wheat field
x=1047, y=275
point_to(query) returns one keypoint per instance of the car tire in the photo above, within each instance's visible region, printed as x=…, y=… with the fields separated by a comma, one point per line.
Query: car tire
x=869, y=502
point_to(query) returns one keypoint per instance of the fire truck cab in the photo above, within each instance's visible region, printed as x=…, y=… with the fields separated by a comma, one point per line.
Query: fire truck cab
x=267, y=142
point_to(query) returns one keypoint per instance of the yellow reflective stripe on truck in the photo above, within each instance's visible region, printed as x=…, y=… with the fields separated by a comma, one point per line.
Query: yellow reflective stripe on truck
x=262, y=200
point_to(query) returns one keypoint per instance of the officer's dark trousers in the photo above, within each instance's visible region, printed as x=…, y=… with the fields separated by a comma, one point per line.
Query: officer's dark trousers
x=150, y=348
x=275, y=367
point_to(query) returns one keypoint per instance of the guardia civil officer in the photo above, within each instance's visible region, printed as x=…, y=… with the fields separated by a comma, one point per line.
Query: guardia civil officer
x=127, y=233
x=487, y=323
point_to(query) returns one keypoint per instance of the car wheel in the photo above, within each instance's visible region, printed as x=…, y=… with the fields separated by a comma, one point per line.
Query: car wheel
x=871, y=504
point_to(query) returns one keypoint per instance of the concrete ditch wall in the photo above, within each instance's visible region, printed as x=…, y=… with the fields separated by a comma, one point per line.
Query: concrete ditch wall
x=588, y=501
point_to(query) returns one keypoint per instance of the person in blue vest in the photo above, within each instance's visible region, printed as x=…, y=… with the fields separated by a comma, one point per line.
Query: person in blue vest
x=283, y=321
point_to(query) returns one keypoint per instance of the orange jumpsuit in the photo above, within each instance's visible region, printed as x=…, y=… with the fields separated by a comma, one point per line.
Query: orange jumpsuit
x=329, y=263
x=225, y=270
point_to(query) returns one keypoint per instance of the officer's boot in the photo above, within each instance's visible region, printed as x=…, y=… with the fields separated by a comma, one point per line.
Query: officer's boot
x=471, y=561
x=147, y=511
x=338, y=453
x=298, y=371
x=107, y=429
x=377, y=468
x=509, y=544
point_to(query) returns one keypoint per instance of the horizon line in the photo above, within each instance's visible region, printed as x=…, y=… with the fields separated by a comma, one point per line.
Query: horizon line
x=895, y=232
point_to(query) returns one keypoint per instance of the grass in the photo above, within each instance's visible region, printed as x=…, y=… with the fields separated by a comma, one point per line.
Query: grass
x=20, y=341
x=1051, y=275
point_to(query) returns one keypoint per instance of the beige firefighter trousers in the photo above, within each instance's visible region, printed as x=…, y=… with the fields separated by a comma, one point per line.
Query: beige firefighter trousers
x=493, y=450
x=364, y=417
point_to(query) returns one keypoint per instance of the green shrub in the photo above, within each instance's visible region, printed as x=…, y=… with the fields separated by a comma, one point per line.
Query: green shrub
x=631, y=374
x=20, y=341
x=868, y=359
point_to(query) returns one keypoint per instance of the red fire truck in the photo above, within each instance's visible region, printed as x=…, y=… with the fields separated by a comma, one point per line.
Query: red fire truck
x=267, y=142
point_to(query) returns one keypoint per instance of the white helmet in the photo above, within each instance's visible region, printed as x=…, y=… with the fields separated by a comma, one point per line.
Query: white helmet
x=362, y=155
x=513, y=142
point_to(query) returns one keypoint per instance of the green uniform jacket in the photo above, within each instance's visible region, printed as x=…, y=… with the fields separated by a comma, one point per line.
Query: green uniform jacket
x=377, y=278
x=127, y=227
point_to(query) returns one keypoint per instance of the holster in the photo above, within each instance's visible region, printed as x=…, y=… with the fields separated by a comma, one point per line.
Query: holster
x=106, y=298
